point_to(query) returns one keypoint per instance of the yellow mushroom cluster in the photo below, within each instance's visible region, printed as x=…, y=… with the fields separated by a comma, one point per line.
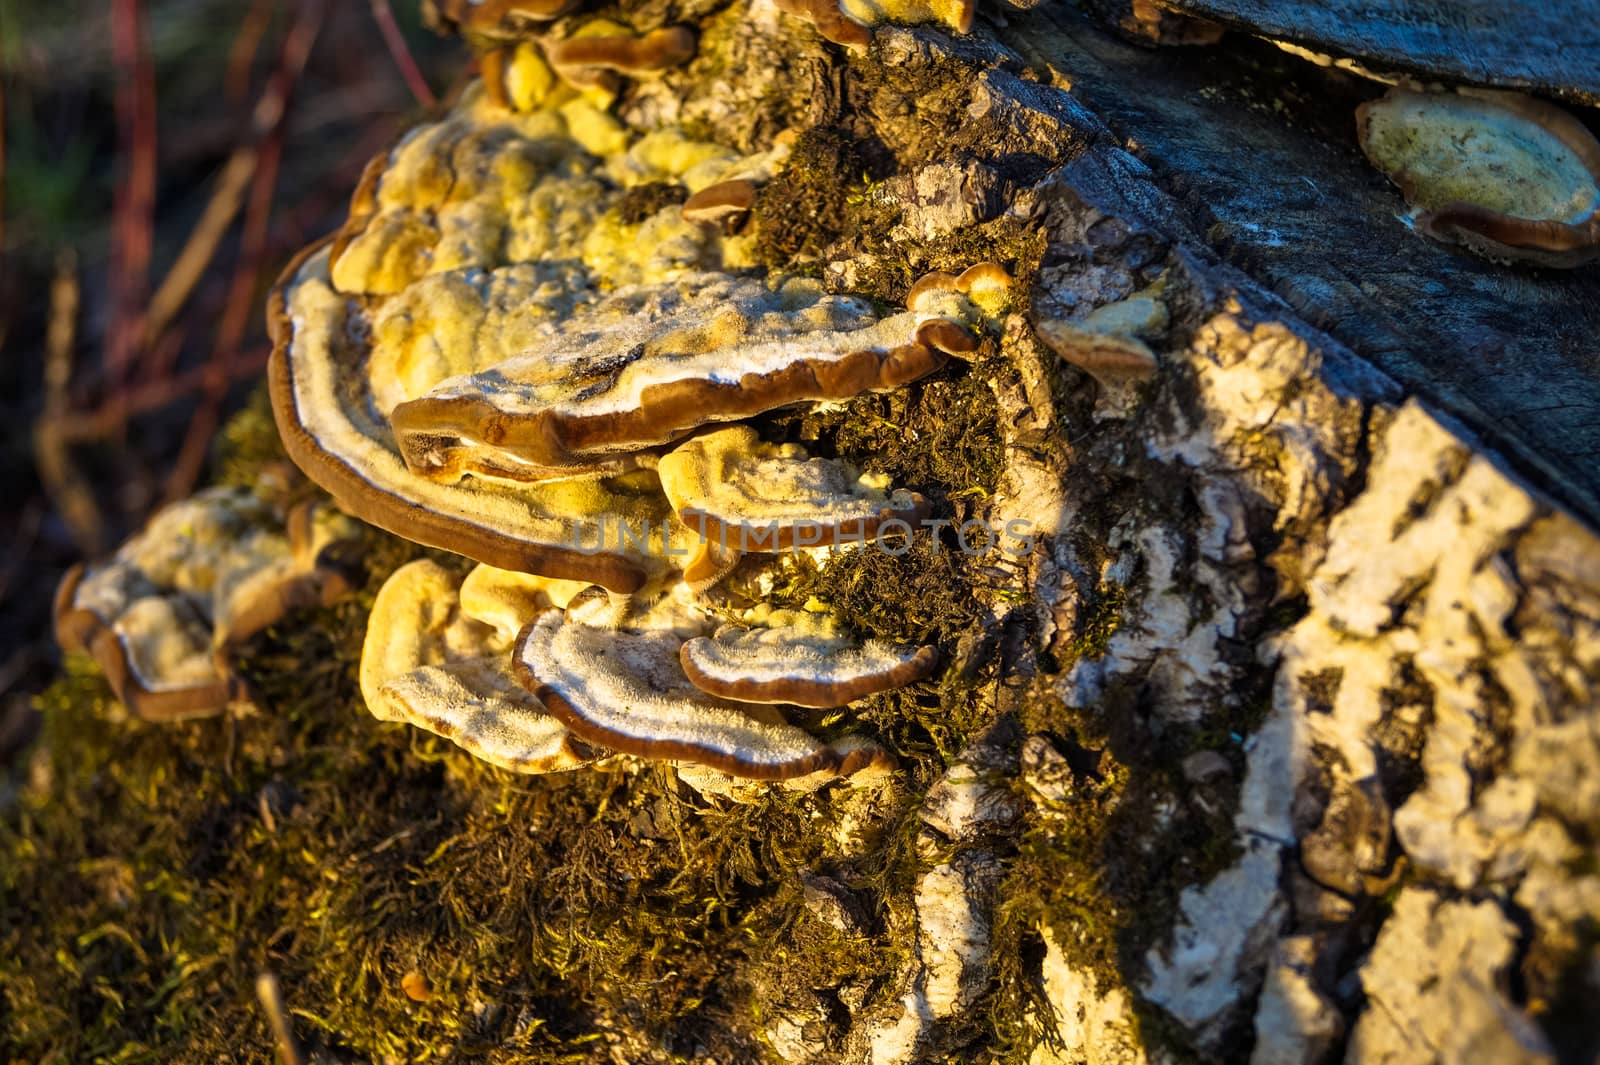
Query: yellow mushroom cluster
x=489, y=358
x=161, y=616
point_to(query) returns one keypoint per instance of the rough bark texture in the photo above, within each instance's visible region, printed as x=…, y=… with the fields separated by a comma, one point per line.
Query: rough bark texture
x=1283, y=744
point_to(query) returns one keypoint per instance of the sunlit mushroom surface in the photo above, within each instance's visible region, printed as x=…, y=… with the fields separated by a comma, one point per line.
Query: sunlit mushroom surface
x=160, y=616
x=554, y=385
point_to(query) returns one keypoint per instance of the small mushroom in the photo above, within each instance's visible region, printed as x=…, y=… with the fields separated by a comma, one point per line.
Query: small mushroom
x=800, y=658
x=1110, y=359
x=830, y=21
x=718, y=204
x=516, y=76
x=428, y=663
x=1109, y=343
x=948, y=307
x=1504, y=175
x=601, y=50
x=205, y=574
x=626, y=689
x=740, y=493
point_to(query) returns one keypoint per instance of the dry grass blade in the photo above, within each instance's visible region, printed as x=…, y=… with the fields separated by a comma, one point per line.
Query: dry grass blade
x=57, y=472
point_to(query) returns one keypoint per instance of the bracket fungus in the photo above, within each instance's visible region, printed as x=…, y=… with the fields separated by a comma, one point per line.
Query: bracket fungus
x=600, y=50
x=799, y=658
x=430, y=661
x=160, y=616
x=749, y=496
x=1502, y=174
x=1109, y=343
x=850, y=22
x=625, y=688
x=491, y=360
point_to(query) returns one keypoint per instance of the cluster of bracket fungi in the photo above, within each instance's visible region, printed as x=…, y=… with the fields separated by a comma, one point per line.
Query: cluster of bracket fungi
x=492, y=358
x=487, y=359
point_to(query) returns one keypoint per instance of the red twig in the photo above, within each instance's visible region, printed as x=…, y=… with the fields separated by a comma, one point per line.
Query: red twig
x=270, y=114
x=134, y=209
x=242, y=55
x=396, y=41
x=76, y=427
x=2, y=171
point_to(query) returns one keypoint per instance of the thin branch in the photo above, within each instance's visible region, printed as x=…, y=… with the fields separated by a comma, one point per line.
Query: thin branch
x=270, y=116
x=134, y=210
x=2, y=170
x=396, y=42
x=78, y=427
x=58, y=474
x=190, y=266
x=242, y=54
x=270, y=994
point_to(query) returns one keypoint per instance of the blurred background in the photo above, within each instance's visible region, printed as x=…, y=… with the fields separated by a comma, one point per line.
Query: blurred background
x=160, y=161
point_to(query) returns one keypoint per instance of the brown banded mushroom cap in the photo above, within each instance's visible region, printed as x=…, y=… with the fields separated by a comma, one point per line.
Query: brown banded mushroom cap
x=427, y=663
x=740, y=493
x=721, y=202
x=605, y=386
x=161, y=614
x=624, y=53
x=830, y=21
x=1504, y=175
x=801, y=659
x=334, y=431
x=626, y=689
x=492, y=18
x=1110, y=359
x=948, y=307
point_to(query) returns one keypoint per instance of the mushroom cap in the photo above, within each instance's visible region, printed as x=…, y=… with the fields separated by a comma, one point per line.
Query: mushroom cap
x=1505, y=175
x=740, y=493
x=626, y=689
x=1110, y=359
x=206, y=573
x=717, y=203
x=949, y=307
x=656, y=363
x=426, y=662
x=955, y=14
x=830, y=21
x=799, y=659
x=623, y=52
x=334, y=431
x=493, y=18
x=457, y=193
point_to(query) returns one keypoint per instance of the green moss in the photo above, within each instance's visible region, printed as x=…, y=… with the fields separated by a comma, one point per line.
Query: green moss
x=151, y=871
x=248, y=443
x=640, y=202
x=806, y=206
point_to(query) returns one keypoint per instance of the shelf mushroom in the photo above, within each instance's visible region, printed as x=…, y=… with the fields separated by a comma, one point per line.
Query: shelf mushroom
x=483, y=361
x=428, y=660
x=625, y=688
x=160, y=616
x=1502, y=174
x=802, y=659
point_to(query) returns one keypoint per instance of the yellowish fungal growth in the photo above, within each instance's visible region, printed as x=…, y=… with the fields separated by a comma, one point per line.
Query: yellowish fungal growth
x=206, y=573
x=492, y=360
x=753, y=497
x=1508, y=176
x=427, y=660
